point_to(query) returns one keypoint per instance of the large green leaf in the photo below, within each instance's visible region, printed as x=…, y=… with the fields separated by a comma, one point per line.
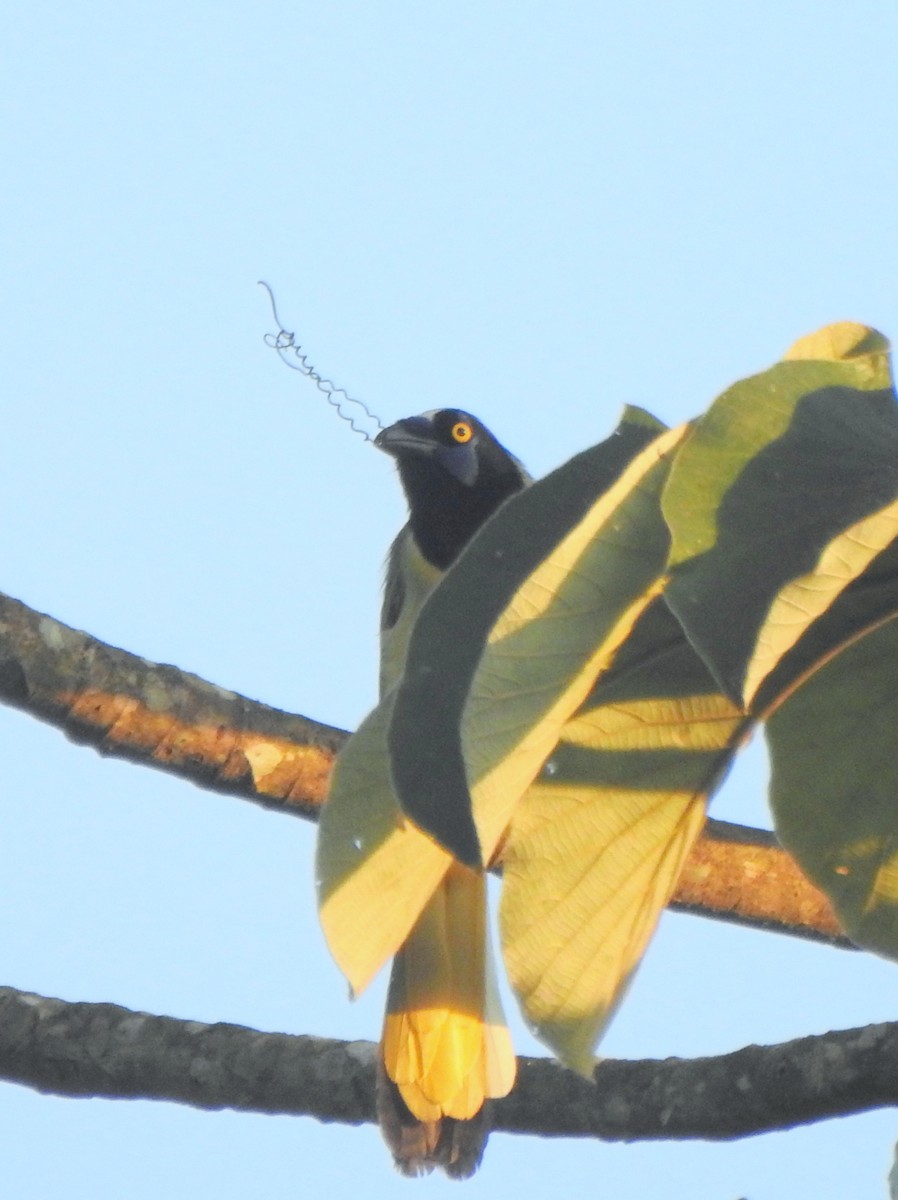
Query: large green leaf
x=783, y=495
x=834, y=779
x=375, y=870
x=597, y=843
x=560, y=631
x=514, y=628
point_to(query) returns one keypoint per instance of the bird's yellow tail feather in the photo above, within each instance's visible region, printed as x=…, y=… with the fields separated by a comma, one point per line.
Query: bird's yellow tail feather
x=445, y=1044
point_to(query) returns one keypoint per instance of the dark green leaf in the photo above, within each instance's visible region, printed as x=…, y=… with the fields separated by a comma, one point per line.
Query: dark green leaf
x=834, y=785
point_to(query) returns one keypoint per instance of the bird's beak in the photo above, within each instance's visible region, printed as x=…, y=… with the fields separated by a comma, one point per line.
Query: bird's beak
x=412, y=435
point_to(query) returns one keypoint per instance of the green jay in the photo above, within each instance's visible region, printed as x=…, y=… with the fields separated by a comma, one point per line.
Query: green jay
x=445, y=1049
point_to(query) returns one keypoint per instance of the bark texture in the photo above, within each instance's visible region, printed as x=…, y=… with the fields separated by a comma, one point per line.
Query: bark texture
x=107, y=1051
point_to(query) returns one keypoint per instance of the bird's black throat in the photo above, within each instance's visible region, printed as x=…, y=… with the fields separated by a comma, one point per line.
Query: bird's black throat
x=445, y=513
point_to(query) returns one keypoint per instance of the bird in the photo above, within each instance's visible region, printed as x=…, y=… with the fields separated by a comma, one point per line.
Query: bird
x=445, y=1050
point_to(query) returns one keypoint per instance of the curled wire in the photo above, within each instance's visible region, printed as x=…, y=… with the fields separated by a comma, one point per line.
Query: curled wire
x=348, y=408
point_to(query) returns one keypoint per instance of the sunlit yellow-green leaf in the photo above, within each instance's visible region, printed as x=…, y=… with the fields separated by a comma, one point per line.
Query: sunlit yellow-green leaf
x=428, y=765
x=375, y=869
x=805, y=599
x=561, y=629
x=597, y=843
x=780, y=499
x=573, y=939
x=834, y=783
x=842, y=341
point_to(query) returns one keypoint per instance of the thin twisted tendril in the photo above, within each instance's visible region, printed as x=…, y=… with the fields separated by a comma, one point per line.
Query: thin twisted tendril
x=355, y=412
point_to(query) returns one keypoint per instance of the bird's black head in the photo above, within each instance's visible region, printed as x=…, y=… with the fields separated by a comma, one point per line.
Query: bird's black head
x=455, y=475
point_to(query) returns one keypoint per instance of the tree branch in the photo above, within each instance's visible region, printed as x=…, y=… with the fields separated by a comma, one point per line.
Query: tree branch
x=159, y=716
x=156, y=715
x=103, y=1050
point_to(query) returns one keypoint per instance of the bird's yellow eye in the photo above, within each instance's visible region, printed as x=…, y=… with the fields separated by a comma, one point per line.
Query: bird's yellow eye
x=462, y=432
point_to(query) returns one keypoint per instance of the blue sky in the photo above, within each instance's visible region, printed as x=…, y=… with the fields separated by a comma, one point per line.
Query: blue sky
x=537, y=212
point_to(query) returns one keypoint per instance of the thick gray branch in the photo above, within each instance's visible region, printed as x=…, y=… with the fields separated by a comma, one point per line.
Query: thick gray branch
x=107, y=1051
